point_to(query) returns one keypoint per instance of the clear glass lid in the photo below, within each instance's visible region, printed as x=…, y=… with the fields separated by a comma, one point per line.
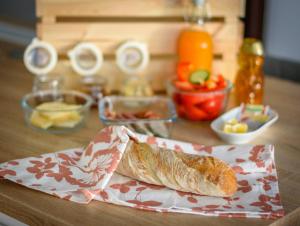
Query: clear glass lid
x=86, y=59
x=132, y=57
x=40, y=57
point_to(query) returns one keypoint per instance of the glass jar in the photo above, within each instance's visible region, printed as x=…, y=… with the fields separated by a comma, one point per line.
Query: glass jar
x=93, y=86
x=136, y=86
x=249, y=83
x=47, y=82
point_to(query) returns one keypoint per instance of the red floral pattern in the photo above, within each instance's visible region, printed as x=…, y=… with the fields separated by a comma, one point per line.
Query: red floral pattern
x=244, y=186
x=265, y=202
x=151, y=140
x=177, y=148
x=255, y=155
x=202, y=148
x=266, y=181
x=5, y=172
x=41, y=167
x=124, y=188
x=83, y=175
x=240, y=170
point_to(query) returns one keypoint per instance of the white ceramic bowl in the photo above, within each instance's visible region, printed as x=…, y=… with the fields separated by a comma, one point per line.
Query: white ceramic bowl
x=239, y=138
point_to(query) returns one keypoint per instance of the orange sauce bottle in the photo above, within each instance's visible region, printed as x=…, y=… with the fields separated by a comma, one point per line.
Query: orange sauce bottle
x=195, y=45
x=249, y=83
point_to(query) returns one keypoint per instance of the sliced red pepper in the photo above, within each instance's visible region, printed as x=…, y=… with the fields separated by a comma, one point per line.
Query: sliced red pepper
x=190, y=103
x=213, y=105
x=221, y=82
x=192, y=99
x=200, y=107
x=181, y=110
x=177, y=98
x=184, y=86
x=201, y=88
x=195, y=113
x=184, y=70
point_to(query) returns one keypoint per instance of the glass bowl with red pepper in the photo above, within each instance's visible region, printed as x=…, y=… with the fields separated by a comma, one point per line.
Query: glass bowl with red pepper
x=198, y=95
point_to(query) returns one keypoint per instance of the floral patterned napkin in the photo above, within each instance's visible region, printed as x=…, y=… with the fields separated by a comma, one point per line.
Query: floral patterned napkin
x=81, y=175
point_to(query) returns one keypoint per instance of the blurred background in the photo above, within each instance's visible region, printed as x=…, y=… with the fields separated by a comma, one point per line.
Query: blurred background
x=274, y=21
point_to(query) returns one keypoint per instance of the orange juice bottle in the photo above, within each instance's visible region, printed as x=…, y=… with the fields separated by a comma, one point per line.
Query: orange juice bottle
x=194, y=43
x=249, y=83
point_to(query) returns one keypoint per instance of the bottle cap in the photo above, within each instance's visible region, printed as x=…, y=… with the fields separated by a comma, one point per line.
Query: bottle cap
x=252, y=46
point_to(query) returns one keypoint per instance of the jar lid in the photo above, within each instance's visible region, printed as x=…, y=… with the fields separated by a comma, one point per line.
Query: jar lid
x=86, y=59
x=252, y=46
x=132, y=57
x=40, y=57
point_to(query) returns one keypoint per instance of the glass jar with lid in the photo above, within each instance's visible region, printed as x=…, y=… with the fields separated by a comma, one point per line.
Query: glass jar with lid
x=40, y=58
x=249, y=83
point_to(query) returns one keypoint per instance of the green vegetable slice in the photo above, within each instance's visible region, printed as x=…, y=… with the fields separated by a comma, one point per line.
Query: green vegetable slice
x=199, y=76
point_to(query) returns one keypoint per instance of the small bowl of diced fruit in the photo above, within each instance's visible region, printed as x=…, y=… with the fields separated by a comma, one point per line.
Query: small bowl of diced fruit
x=198, y=95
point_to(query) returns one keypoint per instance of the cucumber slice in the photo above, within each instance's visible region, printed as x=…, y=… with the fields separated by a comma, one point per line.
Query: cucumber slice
x=199, y=76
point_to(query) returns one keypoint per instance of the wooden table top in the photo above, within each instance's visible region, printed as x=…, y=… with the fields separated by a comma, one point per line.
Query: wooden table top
x=36, y=208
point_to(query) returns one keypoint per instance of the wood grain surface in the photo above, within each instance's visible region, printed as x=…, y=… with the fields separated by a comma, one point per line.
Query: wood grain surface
x=161, y=37
x=36, y=208
x=131, y=8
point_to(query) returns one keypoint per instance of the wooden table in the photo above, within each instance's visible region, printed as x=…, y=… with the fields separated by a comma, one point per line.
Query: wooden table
x=36, y=208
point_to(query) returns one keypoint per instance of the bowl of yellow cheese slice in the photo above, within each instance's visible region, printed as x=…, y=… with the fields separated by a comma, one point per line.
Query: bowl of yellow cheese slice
x=56, y=112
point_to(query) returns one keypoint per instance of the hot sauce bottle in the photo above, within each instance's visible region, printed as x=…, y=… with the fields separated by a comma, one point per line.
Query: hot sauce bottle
x=249, y=84
x=195, y=45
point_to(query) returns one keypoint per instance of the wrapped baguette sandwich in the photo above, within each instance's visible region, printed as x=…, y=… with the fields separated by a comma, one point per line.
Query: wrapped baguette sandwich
x=180, y=171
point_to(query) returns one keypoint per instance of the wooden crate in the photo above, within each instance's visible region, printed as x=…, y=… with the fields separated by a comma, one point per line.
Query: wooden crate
x=108, y=23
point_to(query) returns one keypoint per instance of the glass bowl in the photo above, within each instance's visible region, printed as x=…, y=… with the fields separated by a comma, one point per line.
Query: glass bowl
x=152, y=116
x=199, y=105
x=56, y=119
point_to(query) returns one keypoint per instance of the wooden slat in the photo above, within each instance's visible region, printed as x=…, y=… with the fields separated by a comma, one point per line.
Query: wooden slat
x=160, y=37
x=130, y=8
x=221, y=48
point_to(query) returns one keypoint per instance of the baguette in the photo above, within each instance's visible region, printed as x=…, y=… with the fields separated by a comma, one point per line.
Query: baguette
x=180, y=171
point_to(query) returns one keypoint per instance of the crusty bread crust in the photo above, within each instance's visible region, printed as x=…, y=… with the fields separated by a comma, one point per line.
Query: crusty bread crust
x=185, y=172
x=214, y=170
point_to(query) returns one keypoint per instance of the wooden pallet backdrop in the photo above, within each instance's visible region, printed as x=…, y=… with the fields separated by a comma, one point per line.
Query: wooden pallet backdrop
x=108, y=23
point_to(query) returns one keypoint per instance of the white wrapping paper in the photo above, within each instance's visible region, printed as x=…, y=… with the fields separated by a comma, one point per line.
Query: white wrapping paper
x=81, y=175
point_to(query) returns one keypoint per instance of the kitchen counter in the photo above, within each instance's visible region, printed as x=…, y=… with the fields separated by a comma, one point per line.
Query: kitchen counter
x=36, y=208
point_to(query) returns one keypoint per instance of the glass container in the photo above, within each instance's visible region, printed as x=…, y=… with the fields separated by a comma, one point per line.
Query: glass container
x=153, y=116
x=249, y=84
x=199, y=106
x=56, y=120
